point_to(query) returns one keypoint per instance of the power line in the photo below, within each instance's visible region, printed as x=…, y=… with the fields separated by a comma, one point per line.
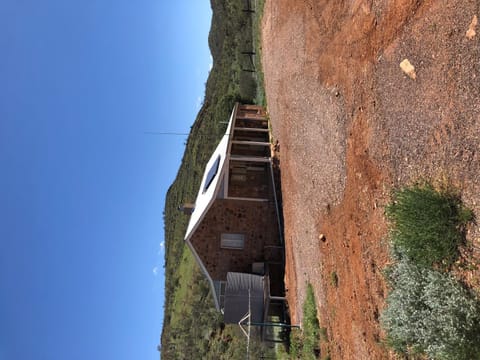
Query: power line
x=165, y=133
x=211, y=136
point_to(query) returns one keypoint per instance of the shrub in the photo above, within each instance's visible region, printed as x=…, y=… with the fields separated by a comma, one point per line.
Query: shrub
x=296, y=345
x=305, y=344
x=430, y=312
x=427, y=224
x=334, y=279
x=311, y=326
x=323, y=334
x=247, y=86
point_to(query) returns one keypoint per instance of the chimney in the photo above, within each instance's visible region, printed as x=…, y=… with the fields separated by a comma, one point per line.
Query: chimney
x=187, y=208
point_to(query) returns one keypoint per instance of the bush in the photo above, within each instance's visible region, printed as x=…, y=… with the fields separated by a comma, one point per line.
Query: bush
x=248, y=87
x=334, y=279
x=296, y=344
x=311, y=326
x=430, y=312
x=427, y=224
x=305, y=344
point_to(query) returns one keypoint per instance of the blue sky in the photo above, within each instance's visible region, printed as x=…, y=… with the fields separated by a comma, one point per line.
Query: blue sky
x=82, y=187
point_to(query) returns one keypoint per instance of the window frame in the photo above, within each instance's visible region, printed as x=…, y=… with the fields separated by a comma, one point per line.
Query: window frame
x=232, y=237
x=212, y=174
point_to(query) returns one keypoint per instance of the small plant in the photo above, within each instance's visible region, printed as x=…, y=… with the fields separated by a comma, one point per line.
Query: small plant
x=296, y=344
x=305, y=343
x=323, y=334
x=311, y=326
x=427, y=224
x=430, y=312
x=334, y=279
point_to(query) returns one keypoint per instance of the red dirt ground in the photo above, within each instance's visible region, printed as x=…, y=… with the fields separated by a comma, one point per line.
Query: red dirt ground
x=351, y=127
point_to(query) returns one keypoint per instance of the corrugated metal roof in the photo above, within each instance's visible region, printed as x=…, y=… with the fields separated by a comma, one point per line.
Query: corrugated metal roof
x=241, y=290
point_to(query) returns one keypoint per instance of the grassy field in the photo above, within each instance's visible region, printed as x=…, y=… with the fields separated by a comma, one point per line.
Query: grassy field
x=192, y=327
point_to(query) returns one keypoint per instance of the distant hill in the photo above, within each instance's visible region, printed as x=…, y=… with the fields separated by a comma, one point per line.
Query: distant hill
x=192, y=327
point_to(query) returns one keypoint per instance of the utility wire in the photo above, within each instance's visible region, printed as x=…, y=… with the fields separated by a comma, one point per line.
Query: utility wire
x=211, y=136
x=165, y=133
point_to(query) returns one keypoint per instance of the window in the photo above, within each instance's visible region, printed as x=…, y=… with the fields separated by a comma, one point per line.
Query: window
x=211, y=174
x=232, y=241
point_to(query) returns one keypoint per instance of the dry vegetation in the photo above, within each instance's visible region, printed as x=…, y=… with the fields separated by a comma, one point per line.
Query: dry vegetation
x=352, y=126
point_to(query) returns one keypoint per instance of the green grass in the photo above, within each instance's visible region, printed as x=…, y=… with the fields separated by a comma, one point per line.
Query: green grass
x=231, y=344
x=427, y=224
x=429, y=313
x=186, y=269
x=305, y=342
x=260, y=97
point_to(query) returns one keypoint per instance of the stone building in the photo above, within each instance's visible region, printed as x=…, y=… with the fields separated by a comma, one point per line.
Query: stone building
x=234, y=230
